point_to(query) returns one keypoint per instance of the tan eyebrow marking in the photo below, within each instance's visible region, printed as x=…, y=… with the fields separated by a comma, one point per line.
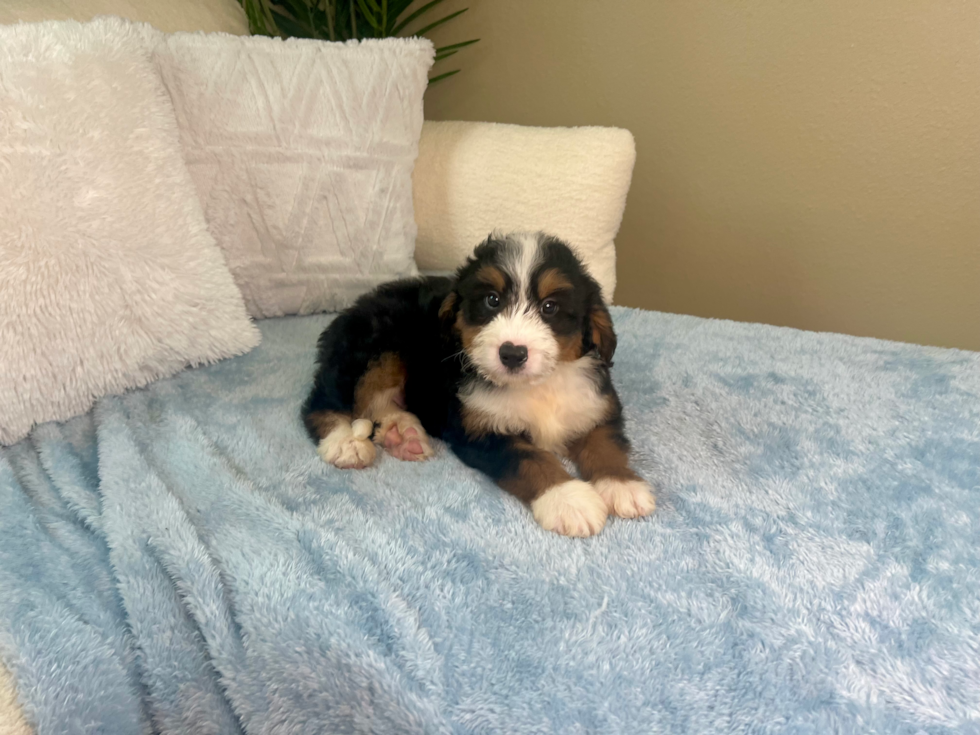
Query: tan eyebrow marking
x=492, y=276
x=552, y=280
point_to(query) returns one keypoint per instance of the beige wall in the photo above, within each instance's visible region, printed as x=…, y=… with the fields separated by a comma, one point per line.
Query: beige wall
x=811, y=164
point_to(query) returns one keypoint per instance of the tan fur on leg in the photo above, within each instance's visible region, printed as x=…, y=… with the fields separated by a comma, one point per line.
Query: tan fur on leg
x=602, y=460
x=538, y=471
x=378, y=398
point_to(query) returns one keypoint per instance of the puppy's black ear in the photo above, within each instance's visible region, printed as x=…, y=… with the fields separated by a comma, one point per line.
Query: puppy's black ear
x=449, y=309
x=599, y=332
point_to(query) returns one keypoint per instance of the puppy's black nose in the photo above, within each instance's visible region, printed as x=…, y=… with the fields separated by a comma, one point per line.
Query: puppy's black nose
x=512, y=356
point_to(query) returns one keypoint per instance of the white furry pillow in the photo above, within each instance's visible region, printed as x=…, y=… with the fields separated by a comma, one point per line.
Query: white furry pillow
x=302, y=152
x=473, y=177
x=108, y=276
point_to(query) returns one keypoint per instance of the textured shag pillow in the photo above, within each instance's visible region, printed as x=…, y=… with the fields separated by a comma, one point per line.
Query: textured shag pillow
x=302, y=153
x=108, y=276
x=474, y=177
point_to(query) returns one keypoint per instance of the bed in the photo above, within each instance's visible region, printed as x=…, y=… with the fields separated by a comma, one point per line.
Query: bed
x=180, y=560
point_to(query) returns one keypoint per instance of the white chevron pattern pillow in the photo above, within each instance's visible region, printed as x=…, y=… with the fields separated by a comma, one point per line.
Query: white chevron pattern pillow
x=302, y=154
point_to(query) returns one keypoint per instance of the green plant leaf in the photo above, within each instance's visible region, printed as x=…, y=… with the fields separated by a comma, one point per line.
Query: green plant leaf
x=421, y=11
x=446, y=19
x=260, y=19
x=295, y=8
x=254, y=22
x=341, y=20
x=457, y=46
x=366, y=12
x=292, y=27
x=395, y=8
x=440, y=77
x=309, y=14
x=278, y=11
x=269, y=17
x=327, y=8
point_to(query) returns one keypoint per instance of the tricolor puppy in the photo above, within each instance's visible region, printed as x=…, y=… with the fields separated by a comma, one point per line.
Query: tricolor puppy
x=508, y=363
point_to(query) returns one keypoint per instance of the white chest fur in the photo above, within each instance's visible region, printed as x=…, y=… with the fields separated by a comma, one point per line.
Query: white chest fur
x=564, y=406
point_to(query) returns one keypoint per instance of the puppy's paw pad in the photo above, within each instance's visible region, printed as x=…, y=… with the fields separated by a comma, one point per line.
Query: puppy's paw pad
x=404, y=438
x=626, y=498
x=344, y=450
x=572, y=508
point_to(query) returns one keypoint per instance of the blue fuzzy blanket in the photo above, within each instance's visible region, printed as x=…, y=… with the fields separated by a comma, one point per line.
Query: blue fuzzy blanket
x=180, y=561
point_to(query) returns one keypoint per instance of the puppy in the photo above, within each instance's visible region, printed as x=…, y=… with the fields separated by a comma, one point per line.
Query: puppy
x=507, y=362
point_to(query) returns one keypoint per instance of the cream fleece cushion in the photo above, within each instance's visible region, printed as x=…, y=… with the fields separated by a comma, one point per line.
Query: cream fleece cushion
x=471, y=178
x=302, y=152
x=12, y=720
x=166, y=15
x=108, y=276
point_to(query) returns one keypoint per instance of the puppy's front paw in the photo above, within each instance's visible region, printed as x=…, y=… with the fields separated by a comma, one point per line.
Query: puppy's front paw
x=348, y=447
x=572, y=508
x=403, y=437
x=626, y=498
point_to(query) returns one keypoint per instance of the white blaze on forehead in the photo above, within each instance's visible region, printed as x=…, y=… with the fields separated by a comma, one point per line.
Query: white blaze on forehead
x=520, y=258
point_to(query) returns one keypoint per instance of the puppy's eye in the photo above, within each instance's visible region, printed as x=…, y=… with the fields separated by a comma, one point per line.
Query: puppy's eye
x=549, y=307
x=493, y=300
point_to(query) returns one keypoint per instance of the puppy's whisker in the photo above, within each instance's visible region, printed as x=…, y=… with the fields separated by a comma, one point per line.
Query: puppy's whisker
x=461, y=354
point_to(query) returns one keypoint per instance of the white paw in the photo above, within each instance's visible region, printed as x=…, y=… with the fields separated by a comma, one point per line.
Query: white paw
x=572, y=508
x=626, y=498
x=403, y=437
x=347, y=447
x=362, y=428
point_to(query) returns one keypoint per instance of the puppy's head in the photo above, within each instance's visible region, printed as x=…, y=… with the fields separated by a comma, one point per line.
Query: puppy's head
x=524, y=303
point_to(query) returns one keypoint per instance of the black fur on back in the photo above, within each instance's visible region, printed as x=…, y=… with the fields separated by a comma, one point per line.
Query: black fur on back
x=400, y=317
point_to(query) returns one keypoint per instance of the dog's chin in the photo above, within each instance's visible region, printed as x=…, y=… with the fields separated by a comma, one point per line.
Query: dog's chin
x=502, y=377
x=505, y=378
